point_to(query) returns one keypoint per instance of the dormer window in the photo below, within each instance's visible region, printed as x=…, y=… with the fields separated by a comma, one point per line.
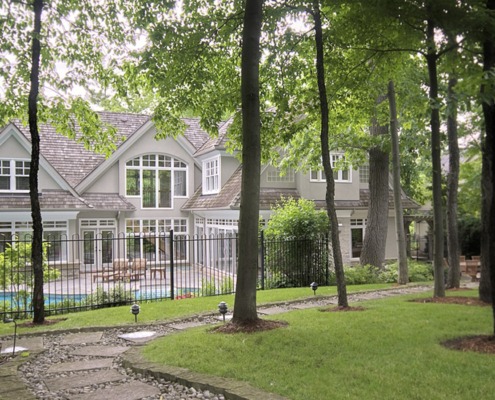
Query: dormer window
x=211, y=176
x=157, y=179
x=339, y=175
x=14, y=175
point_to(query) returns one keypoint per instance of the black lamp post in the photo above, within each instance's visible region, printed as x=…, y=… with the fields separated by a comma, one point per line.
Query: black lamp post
x=222, y=308
x=135, y=310
x=314, y=287
x=6, y=321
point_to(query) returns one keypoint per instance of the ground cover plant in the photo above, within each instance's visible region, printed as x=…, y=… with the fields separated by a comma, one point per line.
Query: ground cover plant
x=392, y=350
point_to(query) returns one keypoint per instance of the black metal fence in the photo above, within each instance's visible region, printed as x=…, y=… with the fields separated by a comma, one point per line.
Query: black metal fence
x=94, y=271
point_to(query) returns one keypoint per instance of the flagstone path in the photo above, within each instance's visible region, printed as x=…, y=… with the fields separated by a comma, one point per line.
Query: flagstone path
x=107, y=365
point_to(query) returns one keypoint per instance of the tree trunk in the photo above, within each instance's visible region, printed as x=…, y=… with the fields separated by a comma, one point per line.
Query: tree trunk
x=247, y=274
x=37, y=244
x=485, y=287
x=325, y=153
x=453, y=278
x=438, y=235
x=375, y=238
x=403, y=277
x=489, y=158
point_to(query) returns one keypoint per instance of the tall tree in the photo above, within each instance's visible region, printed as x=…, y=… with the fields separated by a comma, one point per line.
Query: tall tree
x=403, y=277
x=325, y=154
x=453, y=278
x=488, y=105
x=247, y=273
x=37, y=246
x=375, y=238
x=49, y=47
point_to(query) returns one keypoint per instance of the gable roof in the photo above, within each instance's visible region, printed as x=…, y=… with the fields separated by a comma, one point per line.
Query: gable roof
x=216, y=143
x=74, y=162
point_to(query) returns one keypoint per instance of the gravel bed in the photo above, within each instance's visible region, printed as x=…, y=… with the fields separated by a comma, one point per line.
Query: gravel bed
x=34, y=371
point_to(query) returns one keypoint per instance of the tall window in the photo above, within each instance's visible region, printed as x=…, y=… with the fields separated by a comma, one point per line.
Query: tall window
x=278, y=175
x=358, y=227
x=339, y=175
x=157, y=179
x=364, y=173
x=149, y=238
x=14, y=175
x=211, y=176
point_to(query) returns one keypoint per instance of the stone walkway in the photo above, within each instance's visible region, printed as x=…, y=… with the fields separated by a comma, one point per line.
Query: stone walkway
x=107, y=365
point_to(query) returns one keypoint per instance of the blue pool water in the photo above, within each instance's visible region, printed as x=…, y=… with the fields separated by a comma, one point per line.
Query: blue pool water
x=148, y=294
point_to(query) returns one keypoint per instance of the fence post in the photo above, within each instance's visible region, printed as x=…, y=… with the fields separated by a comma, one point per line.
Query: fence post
x=262, y=249
x=172, y=264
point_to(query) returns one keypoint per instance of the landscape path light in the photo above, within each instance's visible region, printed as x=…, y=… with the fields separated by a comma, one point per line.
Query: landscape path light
x=7, y=321
x=314, y=287
x=135, y=310
x=222, y=308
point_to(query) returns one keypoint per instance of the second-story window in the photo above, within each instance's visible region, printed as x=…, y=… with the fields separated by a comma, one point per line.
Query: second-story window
x=157, y=179
x=339, y=175
x=211, y=176
x=14, y=175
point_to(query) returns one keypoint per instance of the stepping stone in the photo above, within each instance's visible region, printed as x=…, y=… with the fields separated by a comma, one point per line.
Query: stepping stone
x=131, y=391
x=227, y=318
x=99, y=351
x=75, y=381
x=81, y=338
x=272, y=310
x=139, y=337
x=80, y=365
x=186, y=325
x=24, y=344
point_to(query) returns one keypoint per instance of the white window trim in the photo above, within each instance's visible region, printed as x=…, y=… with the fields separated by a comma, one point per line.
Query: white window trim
x=339, y=179
x=157, y=168
x=13, y=176
x=216, y=189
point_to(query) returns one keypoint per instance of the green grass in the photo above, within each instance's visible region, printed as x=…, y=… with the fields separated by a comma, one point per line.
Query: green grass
x=166, y=310
x=390, y=351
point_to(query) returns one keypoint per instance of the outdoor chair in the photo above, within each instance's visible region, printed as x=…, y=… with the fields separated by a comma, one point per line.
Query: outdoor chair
x=138, y=269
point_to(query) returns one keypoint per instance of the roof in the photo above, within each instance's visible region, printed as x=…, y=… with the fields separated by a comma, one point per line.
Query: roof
x=216, y=143
x=74, y=162
x=363, y=202
x=229, y=197
x=64, y=200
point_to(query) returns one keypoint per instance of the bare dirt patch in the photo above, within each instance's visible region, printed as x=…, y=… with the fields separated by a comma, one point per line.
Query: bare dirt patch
x=257, y=325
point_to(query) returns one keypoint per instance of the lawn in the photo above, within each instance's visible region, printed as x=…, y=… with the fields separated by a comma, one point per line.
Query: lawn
x=391, y=350
x=168, y=310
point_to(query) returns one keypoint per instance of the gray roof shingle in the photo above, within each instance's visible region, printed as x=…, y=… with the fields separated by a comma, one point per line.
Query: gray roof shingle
x=74, y=162
x=64, y=200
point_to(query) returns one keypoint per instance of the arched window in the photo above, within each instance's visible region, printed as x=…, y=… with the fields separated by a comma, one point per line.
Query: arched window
x=157, y=179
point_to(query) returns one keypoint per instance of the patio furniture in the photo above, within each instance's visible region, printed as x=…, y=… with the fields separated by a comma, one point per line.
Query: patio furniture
x=118, y=271
x=138, y=269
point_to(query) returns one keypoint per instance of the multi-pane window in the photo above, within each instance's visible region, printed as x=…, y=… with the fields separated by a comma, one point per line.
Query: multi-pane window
x=364, y=173
x=211, y=176
x=14, y=175
x=157, y=179
x=54, y=232
x=150, y=239
x=279, y=175
x=339, y=175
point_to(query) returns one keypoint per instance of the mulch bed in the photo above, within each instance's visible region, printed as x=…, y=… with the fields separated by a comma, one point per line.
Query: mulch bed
x=342, y=309
x=481, y=343
x=257, y=325
x=46, y=322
